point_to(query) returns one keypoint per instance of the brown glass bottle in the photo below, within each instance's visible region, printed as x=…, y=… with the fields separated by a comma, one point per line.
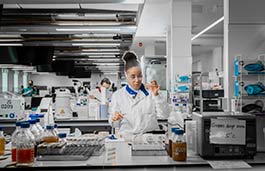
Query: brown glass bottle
x=179, y=146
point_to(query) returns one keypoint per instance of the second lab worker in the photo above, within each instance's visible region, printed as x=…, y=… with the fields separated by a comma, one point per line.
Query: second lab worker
x=134, y=109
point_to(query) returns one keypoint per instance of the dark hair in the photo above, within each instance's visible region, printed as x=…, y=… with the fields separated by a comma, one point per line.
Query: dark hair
x=130, y=60
x=105, y=80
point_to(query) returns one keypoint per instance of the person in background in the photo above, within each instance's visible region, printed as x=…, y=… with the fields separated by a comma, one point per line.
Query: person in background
x=30, y=90
x=133, y=109
x=95, y=94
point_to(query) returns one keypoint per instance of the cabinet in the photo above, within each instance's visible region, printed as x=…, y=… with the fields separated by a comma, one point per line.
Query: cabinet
x=207, y=92
x=249, y=85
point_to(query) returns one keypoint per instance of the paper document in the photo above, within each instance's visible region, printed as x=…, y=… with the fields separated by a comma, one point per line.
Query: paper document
x=229, y=164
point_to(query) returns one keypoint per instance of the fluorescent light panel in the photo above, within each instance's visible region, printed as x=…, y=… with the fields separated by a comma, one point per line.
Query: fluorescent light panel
x=96, y=44
x=208, y=28
x=98, y=54
x=88, y=29
x=11, y=44
x=100, y=50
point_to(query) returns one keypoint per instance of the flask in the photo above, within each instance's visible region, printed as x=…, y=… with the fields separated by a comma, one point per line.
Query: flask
x=49, y=135
x=13, y=141
x=25, y=146
x=179, y=146
x=2, y=141
x=62, y=137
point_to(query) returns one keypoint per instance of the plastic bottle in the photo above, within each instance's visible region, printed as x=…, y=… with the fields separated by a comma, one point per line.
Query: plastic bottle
x=179, y=146
x=39, y=126
x=35, y=131
x=170, y=140
x=2, y=141
x=25, y=146
x=56, y=129
x=13, y=141
x=49, y=135
x=41, y=117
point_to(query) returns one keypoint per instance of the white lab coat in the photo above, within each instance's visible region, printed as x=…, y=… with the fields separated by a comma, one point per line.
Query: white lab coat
x=140, y=113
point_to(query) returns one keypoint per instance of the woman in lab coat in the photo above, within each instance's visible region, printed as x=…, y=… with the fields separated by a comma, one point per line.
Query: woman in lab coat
x=134, y=109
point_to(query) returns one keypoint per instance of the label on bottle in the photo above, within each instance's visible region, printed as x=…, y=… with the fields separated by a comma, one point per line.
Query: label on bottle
x=179, y=151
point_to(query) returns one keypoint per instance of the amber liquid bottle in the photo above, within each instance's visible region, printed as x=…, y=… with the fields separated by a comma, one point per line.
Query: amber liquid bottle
x=179, y=146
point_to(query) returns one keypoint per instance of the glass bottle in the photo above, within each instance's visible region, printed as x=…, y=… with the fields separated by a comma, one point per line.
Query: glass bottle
x=179, y=146
x=62, y=137
x=170, y=140
x=25, y=146
x=2, y=141
x=49, y=135
x=13, y=141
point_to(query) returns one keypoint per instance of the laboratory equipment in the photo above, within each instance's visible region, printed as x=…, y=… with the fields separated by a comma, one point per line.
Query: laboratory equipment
x=13, y=141
x=237, y=135
x=63, y=104
x=45, y=108
x=25, y=146
x=149, y=144
x=49, y=135
x=179, y=152
x=76, y=149
x=12, y=106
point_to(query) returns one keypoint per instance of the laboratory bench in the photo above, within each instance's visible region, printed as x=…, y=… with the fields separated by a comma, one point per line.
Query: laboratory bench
x=85, y=126
x=142, y=163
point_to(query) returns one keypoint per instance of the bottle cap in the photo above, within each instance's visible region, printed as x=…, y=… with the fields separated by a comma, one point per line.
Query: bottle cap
x=179, y=131
x=18, y=123
x=62, y=135
x=24, y=125
x=32, y=121
x=48, y=127
x=40, y=115
x=174, y=129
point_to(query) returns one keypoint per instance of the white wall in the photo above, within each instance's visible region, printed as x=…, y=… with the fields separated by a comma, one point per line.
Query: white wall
x=203, y=63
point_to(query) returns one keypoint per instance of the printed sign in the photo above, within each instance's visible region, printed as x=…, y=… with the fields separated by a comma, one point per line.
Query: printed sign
x=228, y=131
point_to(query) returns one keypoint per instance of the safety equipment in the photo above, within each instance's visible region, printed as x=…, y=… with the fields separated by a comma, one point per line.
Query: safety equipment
x=257, y=66
x=255, y=89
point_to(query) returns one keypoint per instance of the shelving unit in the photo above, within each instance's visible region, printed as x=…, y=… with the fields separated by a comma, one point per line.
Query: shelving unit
x=203, y=95
x=181, y=97
x=244, y=79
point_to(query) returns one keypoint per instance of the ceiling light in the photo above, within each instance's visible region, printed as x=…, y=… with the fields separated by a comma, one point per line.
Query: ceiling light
x=11, y=44
x=103, y=56
x=208, y=28
x=96, y=44
x=88, y=29
x=98, y=54
x=10, y=40
x=100, y=50
x=133, y=1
